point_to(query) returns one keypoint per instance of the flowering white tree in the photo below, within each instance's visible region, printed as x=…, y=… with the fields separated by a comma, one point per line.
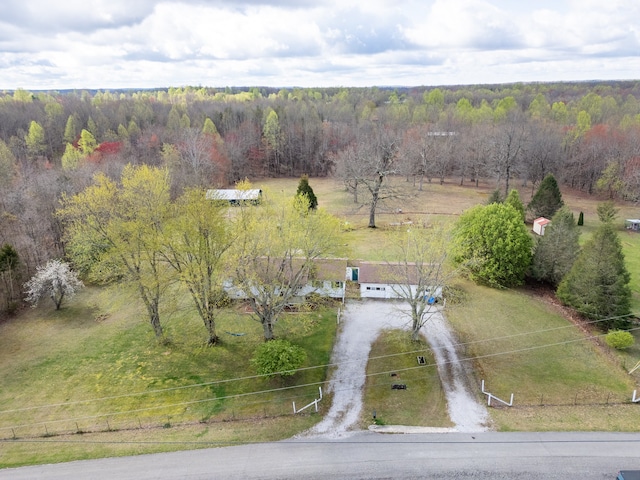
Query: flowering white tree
x=55, y=280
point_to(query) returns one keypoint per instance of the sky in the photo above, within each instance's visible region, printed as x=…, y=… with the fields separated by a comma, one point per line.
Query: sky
x=111, y=44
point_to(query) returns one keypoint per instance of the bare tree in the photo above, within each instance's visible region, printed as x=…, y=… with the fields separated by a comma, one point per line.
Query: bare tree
x=368, y=164
x=419, y=271
x=509, y=142
x=416, y=154
x=273, y=256
x=543, y=154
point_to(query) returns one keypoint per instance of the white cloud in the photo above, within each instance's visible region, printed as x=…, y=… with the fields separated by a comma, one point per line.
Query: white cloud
x=473, y=24
x=147, y=43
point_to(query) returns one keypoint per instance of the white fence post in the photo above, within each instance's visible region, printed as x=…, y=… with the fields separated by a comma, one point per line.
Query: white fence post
x=490, y=396
x=315, y=402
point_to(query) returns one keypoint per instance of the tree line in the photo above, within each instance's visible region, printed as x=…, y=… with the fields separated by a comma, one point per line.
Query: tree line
x=53, y=143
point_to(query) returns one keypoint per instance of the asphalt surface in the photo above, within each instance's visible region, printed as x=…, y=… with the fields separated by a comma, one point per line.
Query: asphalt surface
x=367, y=455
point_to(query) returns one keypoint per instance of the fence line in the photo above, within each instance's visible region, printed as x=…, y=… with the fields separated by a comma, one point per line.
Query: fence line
x=45, y=429
x=587, y=400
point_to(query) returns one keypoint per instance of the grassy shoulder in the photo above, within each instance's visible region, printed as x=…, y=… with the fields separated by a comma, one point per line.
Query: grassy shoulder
x=150, y=439
x=94, y=366
x=393, y=360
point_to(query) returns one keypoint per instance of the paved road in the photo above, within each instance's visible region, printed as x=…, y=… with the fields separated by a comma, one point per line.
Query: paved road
x=366, y=455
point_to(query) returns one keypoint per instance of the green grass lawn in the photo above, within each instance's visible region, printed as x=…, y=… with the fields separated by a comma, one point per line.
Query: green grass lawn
x=423, y=403
x=94, y=365
x=519, y=344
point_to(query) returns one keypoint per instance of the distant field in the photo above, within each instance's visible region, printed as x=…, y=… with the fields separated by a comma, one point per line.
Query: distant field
x=97, y=367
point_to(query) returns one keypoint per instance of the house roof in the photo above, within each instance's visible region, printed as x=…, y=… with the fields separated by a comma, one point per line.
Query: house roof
x=388, y=273
x=541, y=221
x=329, y=269
x=334, y=269
x=233, y=194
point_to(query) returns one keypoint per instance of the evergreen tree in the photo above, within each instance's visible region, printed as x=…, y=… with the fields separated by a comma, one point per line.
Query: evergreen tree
x=209, y=128
x=513, y=199
x=87, y=143
x=71, y=157
x=71, y=129
x=495, y=197
x=7, y=165
x=547, y=200
x=607, y=211
x=305, y=189
x=9, y=263
x=557, y=249
x=597, y=285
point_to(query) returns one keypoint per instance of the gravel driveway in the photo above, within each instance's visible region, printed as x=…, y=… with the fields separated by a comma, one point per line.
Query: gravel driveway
x=362, y=322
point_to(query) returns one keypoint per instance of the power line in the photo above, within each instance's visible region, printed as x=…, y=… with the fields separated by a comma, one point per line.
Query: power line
x=251, y=377
x=240, y=395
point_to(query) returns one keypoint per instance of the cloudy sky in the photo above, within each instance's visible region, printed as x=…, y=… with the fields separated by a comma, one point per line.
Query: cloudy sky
x=58, y=44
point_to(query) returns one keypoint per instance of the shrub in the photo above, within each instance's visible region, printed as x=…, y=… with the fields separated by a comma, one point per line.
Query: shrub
x=493, y=245
x=278, y=357
x=619, y=339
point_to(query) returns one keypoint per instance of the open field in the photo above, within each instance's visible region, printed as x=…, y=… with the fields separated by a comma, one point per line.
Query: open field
x=95, y=366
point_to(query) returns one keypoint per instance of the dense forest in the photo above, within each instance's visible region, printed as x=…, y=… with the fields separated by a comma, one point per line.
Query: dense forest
x=52, y=143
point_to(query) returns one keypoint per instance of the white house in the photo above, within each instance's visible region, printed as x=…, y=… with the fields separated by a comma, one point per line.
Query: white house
x=540, y=224
x=382, y=280
x=326, y=278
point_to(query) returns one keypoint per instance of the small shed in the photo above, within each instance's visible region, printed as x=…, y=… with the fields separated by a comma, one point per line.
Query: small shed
x=235, y=196
x=632, y=224
x=540, y=224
